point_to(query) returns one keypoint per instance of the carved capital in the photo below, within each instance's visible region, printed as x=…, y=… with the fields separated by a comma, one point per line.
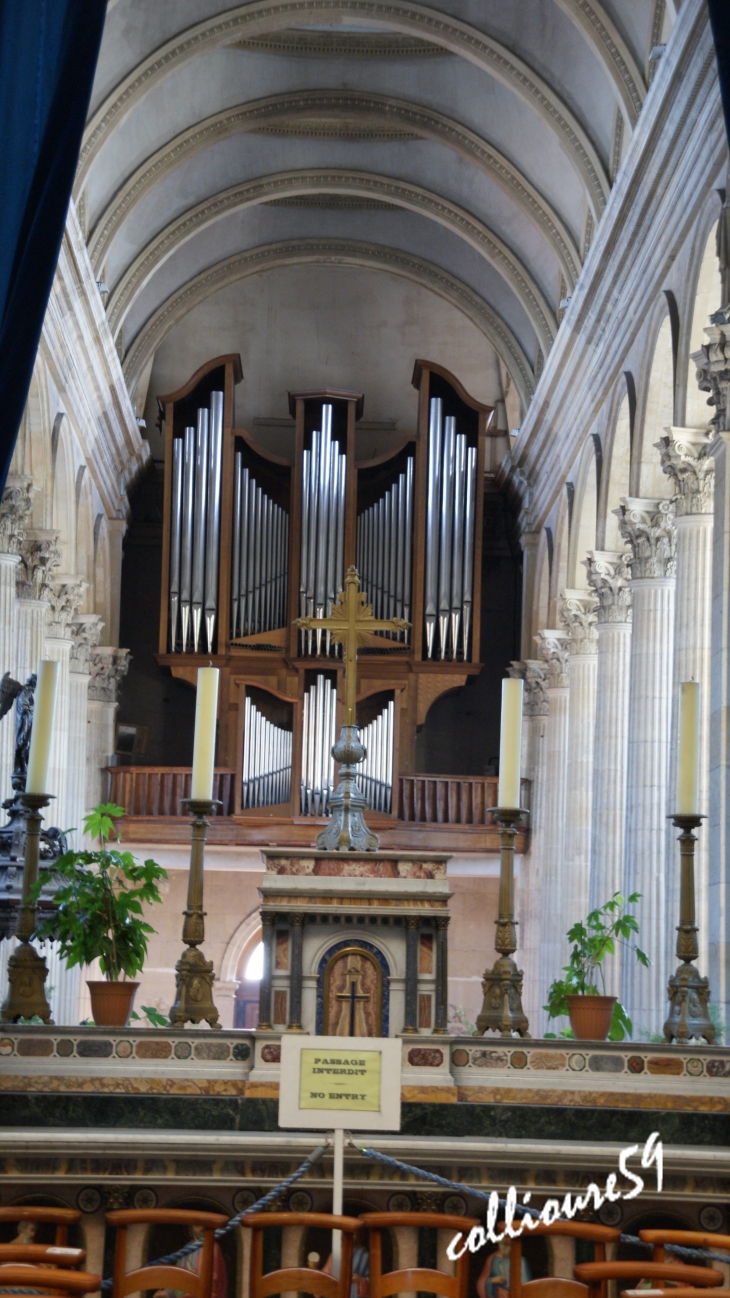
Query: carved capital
x=15, y=510
x=85, y=631
x=712, y=362
x=64, y=597
x=553, y=647
x=609, y=575
x=39, y=559
x=108, y=667
x=577, y=610
x=647, y=525
x=536, y=702
x=685, y=456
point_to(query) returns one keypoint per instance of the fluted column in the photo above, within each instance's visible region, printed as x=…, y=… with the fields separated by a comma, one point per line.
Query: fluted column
x=608, y=575
x=66, y=595
x=85, y=630
x=713, y=376
x=553, y=648
x=648, y=527
x=529, y=888
x=577, y=610
x=108, y=667
x=39, y=558
x=686, y=458
x=15, y=510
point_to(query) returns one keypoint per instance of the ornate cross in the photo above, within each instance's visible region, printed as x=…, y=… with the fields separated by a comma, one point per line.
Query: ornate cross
x=351, y=623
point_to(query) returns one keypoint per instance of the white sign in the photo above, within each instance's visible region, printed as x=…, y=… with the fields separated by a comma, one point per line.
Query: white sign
x=348, y=1083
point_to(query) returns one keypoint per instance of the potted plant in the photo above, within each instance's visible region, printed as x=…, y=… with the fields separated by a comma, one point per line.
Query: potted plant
x=593, y=1015
x=99, y=915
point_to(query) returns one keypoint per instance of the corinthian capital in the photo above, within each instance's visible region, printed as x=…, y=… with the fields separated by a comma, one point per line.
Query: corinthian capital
x=39, y=558
x=85, y=630
x=108, y=667
x=609, y=576
x=536, y=702
x=553, y=647
x=15, y=508
x=647, y=525
x=65, y=596
x=713, y=367
x=685, y=456
x=577, y=612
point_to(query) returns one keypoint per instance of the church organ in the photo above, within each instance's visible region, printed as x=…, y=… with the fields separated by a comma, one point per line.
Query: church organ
x=253, y=540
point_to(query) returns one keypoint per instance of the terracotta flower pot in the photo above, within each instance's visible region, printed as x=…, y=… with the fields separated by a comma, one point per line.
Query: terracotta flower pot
x=111, y=1003
x=590, y=1016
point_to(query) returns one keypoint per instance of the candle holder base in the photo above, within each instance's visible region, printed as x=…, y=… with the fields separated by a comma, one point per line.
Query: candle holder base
x=688, y=1018
x=26, y=998
x=347, y=831
x=194, y=991
x=502, y=1010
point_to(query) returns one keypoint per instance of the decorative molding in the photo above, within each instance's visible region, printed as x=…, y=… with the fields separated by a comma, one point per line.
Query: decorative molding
x=617, y=144
x=686, y=457
x=647, y=525
x=108, y=667
x=39, y=558
x=553, y=646
x=65, y=595
x=260, y=17
x=338, y=181
x=536, y=702
x=342, y=45
x=334, y=203
x=343, y=252
x=377, y=110
x=15, y=511
x=85, y=633
x=712, y=362
x=328, y=128
x=606, y=40
x=609, y=576
x=577, y=610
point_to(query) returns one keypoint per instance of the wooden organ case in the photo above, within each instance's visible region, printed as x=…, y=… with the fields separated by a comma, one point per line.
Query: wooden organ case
x=252, y=540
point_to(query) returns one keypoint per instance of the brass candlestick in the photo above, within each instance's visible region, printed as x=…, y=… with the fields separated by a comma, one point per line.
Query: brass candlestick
x=502, y=984
x=27, y=970
x=195, y=974
x=688, y=991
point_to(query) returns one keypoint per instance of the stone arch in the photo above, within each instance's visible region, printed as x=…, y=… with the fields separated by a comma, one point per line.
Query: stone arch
x=542, y=591
x=559, y=573
x=617, y=475
x=585, y=516
x=102, y=576
x=240, y=946
x=657, y=413
x=84, y=541
x=707, y=298
x=64, y=499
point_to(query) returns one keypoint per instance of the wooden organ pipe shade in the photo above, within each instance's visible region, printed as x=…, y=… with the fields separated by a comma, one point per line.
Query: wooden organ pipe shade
x=195, y=530
x=384, y=551
x=321, y=571
x=266, y=760
x=375, y=773
x=259, y=558
x=318, y=737
x=450, y=515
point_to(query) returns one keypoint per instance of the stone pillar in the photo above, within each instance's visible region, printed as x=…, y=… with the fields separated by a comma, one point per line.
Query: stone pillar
x=530, y=542
x=39, y=558
x=267, y=937
x=713, y=376
x=15, y=510
x=85, y=630
x=296, y=973
x=553, y=649
x=609, y=575
x=108, y=667
x=648, y=527
x=116, y=527
x=529, y=889
x=66, y=595
x=442, y=974
x=410, y=1023
x=686, y=458
x=577, y=610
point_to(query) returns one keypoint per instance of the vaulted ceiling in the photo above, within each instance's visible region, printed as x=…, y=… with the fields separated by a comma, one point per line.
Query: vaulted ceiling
x=467, y=146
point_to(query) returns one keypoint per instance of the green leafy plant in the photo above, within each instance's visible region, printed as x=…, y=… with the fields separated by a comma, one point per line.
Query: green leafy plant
x=459, y=1024
x=99, y=902
x=593, y=940
x=153, y=1017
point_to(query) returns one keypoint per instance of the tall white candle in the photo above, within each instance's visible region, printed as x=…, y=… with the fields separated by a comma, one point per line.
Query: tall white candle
x=44, y=705
x=510, y=744
x=206, y=712
x=688, y=750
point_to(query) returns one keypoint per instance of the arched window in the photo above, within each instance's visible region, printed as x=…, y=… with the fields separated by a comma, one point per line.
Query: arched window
x=251, y=970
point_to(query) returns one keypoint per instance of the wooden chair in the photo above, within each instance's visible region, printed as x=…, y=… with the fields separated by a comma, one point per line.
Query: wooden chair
x=301, y=1278
x=54, y=1255
x=164, y=1277
x=50, y=1281
x=679, y=1292
x=416, y=1278
x=555, y=1286
x=687, y=1238
x=594, y=1274
x=61, y=1218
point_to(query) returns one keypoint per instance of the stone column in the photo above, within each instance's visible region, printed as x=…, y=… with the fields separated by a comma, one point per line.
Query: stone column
x=295, y=976
x=267, y=937
x=648, y=527
x=39, y=558
x=14, y=514
x=530, y=542
x=85, y=630
x=713, y=376
x=577, y=610
x=66, y=595
x=553, y=648
x=529, y=889
x=410, y=1023
x=686, y=458
x=609, y=576
x=116, y=527
x=108, y=667
x=442, y=974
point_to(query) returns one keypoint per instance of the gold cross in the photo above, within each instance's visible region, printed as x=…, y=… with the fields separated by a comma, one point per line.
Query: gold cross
x=351, y=623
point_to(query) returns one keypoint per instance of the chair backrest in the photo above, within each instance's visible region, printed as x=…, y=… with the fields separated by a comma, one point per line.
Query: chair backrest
x=302, y=1278
x=554, y=1286
x=41, y=1255
x=56, y=1282
x=595, y=1273
x=61, y=1218
x=687, y=1238
x=198, y=1285
x=420, y=1278
x=599, y=1236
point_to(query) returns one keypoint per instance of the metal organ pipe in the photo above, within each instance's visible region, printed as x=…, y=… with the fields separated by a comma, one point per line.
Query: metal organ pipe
x=186, y=541
x=323, y=530
x=197, y=459
x=384, y=549
x=199, y=521
x=375, y=773
x=267, y=750
x=450, y=515
x=178, y=452
x=318, y=736
x=212, y=536
x=260, y=552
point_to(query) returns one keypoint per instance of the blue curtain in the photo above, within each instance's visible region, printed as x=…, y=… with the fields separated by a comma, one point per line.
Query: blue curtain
x=48, y=53
x=720, y=24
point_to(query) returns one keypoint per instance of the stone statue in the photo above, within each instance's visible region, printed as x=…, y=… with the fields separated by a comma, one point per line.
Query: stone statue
x=24, y=698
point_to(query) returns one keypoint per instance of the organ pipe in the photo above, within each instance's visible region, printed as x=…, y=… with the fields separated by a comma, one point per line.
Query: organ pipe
x=450, y=514
x=178, y=454
x=266, y=769
x=318, y=737
x=259, y=558
x=195, y=523
x=375, y=772
x=384, y=550
x=322, y=531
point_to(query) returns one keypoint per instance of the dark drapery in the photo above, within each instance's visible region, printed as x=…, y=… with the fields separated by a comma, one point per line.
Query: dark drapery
x=48, y=53
x=720, y=23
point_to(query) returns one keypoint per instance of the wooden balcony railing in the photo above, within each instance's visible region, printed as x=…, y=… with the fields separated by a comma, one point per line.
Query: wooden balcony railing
x=159, y=790
x=450, y=799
